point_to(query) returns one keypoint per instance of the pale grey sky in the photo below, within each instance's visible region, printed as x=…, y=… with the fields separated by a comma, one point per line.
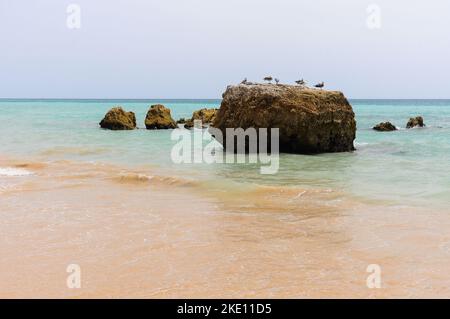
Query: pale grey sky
x=195, y=48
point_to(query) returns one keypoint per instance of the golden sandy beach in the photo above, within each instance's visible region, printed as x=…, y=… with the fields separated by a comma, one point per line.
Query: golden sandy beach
x=135, y=233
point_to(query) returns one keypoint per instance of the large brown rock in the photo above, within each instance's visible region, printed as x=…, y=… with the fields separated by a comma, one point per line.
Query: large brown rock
x=309, y=120
x=385, y=127
x=118, y=119
x=205, y=115
x=159, y=117
x=415, y=122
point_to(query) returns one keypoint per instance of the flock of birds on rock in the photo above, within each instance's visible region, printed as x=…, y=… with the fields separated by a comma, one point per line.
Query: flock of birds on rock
x=277, y=81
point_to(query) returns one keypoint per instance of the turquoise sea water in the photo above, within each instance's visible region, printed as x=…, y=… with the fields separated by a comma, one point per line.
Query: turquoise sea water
x=406, y=166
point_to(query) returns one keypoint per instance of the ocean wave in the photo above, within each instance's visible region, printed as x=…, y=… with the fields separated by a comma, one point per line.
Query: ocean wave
x=11, y=171
x=293, y=192
x=82, y=151
x=132, y=178
x=138, y=178
x=30, y=166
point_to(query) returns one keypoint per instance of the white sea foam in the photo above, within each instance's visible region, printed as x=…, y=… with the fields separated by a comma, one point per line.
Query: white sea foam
x=361, y=144
x=10, y=171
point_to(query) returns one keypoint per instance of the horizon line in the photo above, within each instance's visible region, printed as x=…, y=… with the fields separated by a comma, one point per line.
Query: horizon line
x=187, y=99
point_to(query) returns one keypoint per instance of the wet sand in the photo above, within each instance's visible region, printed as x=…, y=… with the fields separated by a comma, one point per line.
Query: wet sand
x=140, y=234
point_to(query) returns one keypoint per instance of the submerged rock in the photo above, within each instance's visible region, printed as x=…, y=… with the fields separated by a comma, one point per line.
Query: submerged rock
x=205, y=115
x=159, y=118
x=415, y=121
x=118, y=119
x=385, y=127
x=309, y=120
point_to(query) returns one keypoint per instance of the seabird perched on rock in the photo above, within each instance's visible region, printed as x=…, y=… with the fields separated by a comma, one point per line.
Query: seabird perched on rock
x=244, y=81
x=300, y=82
x=277, y=81
x=268, y=79
x=320, y=85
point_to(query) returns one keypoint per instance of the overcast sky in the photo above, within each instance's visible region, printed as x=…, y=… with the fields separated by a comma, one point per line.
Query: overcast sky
x=195, y=48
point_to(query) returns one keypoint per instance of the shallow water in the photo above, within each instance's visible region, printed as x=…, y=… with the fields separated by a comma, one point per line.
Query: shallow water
x=140, y=226
x=403, y=166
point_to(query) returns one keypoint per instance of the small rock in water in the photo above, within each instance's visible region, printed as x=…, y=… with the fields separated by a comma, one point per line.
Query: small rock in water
x=415, y=121
x=385, y=127
x=205, y=115
x=159, y=118
x=118, y=119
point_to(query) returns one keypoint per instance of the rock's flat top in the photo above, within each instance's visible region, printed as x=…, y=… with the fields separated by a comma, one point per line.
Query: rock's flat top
x=307, y=99
x=280, y=87
x=284, y=90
